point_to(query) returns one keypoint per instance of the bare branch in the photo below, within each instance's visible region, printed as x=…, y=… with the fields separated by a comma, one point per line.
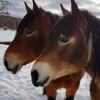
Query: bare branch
x=6, y=43
x=4, y=4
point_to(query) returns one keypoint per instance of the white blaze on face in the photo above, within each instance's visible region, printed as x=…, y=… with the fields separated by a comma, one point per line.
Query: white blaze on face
x=44, y=72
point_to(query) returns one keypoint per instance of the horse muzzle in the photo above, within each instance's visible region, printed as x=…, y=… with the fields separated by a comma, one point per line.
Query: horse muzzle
x=35, y=77
x=41, y=74
x=12, y=66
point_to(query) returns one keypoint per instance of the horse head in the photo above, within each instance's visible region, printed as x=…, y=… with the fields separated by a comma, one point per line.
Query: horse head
x=66, y=49
x=30, y=39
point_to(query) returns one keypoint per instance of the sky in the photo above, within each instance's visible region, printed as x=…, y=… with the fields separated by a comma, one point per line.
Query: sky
x=18, y=10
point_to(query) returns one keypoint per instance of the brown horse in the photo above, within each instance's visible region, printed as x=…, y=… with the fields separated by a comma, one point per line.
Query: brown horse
x=30, y=39
x=29, y=42
x=73, y=45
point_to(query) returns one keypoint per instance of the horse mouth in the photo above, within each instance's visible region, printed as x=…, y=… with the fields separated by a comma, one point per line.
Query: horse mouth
x=42, y=84
x=16, y=69
x=38, y=83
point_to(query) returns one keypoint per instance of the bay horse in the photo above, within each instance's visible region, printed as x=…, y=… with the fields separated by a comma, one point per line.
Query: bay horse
x=73, y=45
x=30, y=41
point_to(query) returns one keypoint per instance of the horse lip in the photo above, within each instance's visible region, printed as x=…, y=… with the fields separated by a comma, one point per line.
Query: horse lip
x=37, y=84
x=16, y=69
x=42, y=84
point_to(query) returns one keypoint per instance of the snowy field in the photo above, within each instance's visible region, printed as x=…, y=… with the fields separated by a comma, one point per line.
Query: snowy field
x=19, y=87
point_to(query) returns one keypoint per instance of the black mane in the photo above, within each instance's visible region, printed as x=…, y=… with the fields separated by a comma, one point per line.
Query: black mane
x=95, y=28
x=54, y=18
x=26, y=21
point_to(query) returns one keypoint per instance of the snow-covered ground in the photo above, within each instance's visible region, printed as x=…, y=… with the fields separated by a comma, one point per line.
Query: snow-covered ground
x=19, y=86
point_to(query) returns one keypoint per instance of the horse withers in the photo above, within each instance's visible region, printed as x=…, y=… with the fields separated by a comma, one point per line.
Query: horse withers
x=29, y=42
x=73, y=45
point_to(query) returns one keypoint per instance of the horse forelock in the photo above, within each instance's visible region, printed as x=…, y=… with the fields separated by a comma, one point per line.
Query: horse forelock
x=26, y=21
x=42, y=17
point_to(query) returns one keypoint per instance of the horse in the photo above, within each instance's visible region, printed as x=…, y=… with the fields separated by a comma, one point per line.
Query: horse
x=29, y=42
x=73, y=45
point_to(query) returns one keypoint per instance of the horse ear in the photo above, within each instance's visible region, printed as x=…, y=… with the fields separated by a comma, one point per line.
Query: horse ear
x=28, y=9
x=35, y=7
x=64, y=11
x=74, y=7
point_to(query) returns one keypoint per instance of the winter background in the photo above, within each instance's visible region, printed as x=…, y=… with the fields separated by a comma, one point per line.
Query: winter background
x=19, y=86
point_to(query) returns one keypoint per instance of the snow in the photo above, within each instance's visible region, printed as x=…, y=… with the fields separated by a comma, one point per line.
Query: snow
x=19, y=86
x=61, y=94
x=6, y=35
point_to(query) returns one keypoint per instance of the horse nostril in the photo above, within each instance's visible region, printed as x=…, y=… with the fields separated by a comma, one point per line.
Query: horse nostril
x=6, y=65
x=35, y=76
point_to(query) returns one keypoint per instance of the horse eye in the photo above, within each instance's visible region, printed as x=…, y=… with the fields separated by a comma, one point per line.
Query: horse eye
x=63, y=40
x=28, y=33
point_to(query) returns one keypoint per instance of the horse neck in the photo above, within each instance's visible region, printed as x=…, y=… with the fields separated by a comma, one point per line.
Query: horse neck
x=97, y=48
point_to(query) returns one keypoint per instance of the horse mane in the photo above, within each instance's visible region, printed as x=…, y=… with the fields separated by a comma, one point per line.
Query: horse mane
x=54, y=17
x=95, y=28
x=93, y=22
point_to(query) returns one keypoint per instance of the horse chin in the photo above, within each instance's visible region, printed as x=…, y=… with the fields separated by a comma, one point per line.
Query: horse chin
x=47, y=82
x=16, y=69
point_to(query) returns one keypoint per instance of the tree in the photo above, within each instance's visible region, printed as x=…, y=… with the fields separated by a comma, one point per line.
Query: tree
x=4, y=4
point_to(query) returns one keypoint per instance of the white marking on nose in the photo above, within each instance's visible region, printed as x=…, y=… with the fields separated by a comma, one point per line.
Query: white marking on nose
x=44, y=72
